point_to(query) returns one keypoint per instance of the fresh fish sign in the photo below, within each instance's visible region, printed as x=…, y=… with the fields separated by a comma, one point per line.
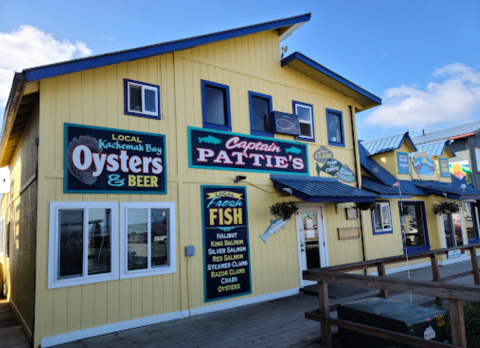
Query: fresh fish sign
x=105, y=160
x=275, y=225
x=211, y=149
x=332, y=166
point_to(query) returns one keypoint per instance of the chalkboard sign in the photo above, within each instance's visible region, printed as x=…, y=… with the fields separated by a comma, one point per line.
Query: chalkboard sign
x=105, y=160
x=225, y=242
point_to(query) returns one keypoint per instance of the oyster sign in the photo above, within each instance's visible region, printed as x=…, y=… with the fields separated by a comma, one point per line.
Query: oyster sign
x=105, y=160
x=212, y=149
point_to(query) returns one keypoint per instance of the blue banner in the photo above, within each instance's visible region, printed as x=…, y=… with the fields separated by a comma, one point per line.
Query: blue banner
x=209, y=149
x=403, y=163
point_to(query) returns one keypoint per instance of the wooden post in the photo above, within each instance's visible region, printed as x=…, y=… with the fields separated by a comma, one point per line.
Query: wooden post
x=435, y=273
x=457, y=322
x=324, y=309
x=382, y=273
x=473, y=255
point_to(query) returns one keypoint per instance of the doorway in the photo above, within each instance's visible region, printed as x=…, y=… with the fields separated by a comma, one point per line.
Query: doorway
x=312, y=242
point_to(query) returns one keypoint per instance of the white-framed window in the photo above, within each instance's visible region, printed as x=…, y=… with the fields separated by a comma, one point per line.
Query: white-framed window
x=381, y=218
x=83, y=243
x=2, y=237
x=147, y=239
x=142, y=99
x=305, y=115
x=477, y=158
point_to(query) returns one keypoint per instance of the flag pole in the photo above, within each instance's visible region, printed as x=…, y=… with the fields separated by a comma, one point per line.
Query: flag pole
x=404, y=233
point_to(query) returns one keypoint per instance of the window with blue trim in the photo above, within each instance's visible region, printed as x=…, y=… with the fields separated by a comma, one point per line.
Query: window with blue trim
x=142, y=99
x=305, y=116
x=414, y=227
x=216, y=106
x=335, y=128
x=381, y=218
x=471, y=222
x=260, y=108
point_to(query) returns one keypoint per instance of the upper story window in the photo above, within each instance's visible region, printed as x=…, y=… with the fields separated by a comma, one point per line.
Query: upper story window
x=147, y=239
x=260, y=108
x=216, y=106
x=142, y=99
x=83, y=243
x=381, y=218
x=305, y=115
x=335, y=128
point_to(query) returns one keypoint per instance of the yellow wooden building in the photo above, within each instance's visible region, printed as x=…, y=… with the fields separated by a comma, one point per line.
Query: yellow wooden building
x=142, y=180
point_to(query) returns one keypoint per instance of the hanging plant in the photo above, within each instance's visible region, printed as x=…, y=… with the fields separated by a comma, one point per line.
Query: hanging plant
x=364, y=205
x=445, y=208
x=284, y=210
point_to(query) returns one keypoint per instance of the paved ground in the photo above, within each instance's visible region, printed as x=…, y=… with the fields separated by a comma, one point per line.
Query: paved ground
x=279, y=323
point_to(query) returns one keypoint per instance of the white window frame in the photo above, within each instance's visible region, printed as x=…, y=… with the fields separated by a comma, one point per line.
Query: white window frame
x=300, y=137
x=382, y=230
x=477, y=158
x=54, y=245
x=143, y=87
x=171, y=233
x=2, y=237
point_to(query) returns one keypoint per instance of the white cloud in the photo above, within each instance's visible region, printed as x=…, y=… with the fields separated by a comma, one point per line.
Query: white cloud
x=455, y=98
x=30, y=47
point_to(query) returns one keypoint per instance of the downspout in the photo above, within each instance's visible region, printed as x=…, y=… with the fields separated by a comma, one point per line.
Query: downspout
x=359, y=181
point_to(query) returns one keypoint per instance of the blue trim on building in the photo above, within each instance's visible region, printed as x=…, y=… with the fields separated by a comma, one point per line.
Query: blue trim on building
x=420, y=248
x=372, y=214
x=336, y=143
x=473, y=209
x=148, y=51
x=302, y=138
x=264, y=96
x=331, y=74
x=139, y=114
x=228, y=126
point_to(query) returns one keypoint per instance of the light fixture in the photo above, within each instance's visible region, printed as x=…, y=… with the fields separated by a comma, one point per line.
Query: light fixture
x=239, y=178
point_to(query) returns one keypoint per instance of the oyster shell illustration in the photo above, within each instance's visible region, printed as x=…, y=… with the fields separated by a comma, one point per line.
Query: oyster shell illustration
x=84, y=176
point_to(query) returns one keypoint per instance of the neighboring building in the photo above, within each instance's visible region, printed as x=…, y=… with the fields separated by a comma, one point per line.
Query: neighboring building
x=424, y=179
x=132, y=174
x=465, y=141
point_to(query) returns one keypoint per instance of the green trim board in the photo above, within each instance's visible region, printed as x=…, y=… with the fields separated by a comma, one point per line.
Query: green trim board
x=226, y=249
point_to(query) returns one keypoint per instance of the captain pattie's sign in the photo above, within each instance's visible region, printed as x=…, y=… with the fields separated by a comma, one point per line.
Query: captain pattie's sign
x=228, y=151
x=104, y=160
x=225, y=241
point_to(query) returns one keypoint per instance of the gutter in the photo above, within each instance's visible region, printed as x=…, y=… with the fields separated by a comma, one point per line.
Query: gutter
x=11, y=109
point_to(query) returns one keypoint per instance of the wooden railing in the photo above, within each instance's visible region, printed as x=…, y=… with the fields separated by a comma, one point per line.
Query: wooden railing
x=455, y=294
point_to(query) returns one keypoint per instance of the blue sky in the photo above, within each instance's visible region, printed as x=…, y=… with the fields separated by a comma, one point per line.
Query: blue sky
x=421, y=57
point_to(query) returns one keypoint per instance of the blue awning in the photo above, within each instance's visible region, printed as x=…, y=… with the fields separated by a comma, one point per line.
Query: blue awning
x=317, y=189
x=457, y=189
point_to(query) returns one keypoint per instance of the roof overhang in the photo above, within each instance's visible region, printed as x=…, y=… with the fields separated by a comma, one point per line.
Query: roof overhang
x=327, y=77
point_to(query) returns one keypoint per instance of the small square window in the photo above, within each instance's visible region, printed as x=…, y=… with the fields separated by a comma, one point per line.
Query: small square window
x=83, y=243
x=305, y=115
x=335, y=128
x=216, y=106
x=147, y=239
x=142, y=99
x=381, y=218
x=260, y=108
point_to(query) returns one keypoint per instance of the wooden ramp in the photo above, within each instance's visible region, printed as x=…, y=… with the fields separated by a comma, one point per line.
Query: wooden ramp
x=11, y=333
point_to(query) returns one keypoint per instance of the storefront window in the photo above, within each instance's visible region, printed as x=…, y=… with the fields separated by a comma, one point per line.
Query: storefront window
x=382, y=221
x=148, y=239
x=452, y=225
x=82, y=243
x=471, y=221
x=414, y=228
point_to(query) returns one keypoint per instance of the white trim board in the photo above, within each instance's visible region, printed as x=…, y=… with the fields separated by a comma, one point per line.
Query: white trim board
x=155, y=319
x=111, y=328
x=404, y=268
x=243, y=302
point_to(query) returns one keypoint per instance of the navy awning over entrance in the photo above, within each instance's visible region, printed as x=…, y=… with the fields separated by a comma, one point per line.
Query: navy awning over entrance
x=316, y=189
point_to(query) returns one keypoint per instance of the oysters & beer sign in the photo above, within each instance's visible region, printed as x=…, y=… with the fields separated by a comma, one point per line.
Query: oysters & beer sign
x=105, y=160
x=210, y=149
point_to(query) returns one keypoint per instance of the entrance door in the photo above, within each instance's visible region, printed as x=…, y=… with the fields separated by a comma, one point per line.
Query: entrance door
x=312, y=248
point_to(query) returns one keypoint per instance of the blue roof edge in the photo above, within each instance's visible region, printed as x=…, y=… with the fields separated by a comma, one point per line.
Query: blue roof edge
x=331, y=74
x=38, y=73
x=301, y=178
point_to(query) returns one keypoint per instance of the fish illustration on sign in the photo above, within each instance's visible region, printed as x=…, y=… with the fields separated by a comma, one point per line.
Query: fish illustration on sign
x=210, y=140
x=322, y=155
x=293, y=150
x=345, y=174
x=275, y=225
